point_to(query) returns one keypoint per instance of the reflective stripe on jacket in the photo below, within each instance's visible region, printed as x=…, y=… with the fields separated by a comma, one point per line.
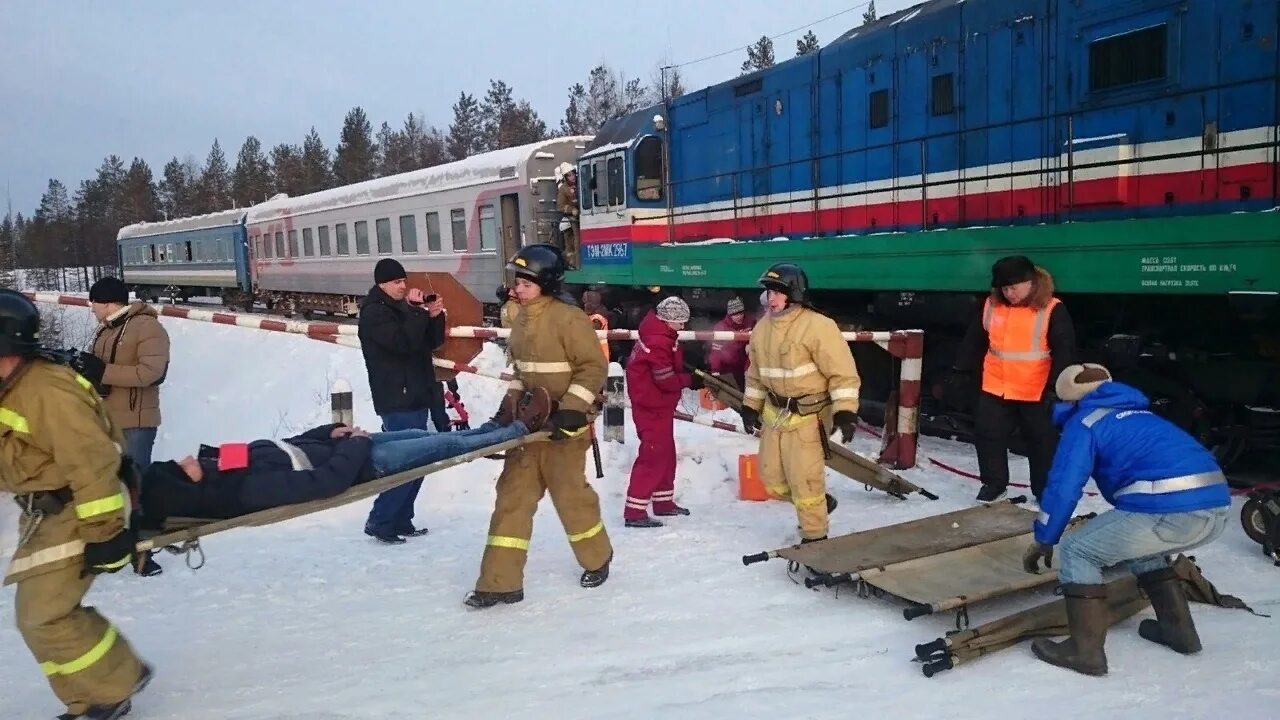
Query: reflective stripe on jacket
x=1017, y=363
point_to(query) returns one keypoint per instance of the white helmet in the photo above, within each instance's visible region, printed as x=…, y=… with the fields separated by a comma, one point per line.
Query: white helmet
x=563, y=170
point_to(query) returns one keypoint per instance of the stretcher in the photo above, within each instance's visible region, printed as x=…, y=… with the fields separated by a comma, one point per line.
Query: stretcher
x=180, y=535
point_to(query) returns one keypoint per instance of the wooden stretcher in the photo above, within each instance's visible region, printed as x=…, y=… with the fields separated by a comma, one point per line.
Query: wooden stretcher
x=182, y=535
x=939, y=563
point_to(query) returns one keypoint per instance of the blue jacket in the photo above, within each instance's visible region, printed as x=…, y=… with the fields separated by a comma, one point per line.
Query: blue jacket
x=1112, y=436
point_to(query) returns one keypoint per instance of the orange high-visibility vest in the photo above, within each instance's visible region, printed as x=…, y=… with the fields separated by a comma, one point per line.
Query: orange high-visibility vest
x=602, y=324
x=1018, y=360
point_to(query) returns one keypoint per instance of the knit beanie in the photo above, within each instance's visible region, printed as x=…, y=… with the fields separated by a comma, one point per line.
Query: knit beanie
x=735, y=306
x=1079, y=380
x=388, y=269
x=109, y=290
x=673, y=309
x=1012, y=270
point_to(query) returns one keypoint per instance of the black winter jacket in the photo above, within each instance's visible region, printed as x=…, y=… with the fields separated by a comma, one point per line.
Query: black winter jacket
x=269, y=480
x=397, y=340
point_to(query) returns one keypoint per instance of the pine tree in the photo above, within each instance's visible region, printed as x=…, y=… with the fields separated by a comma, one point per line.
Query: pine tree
x=251, y=179
x=288, y=172
x=466, y=132
x=8, y=253
x=667, y=83
x=870, y=15
x=357, y=155
x=574, y=121
x=50, y=234
x=139, y=201
x=175, y=190
x=317, y=171
x=213, y=193
x=392, y=151
x=759, y=55
x=424, y=146
x=807, y=44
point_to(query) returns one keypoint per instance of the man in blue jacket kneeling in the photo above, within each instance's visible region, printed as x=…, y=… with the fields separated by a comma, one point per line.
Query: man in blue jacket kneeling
x=1169, y=496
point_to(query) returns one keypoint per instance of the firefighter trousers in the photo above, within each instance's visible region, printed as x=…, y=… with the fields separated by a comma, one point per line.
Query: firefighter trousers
x=794, y=468
x=555, y=467
x=85, y=658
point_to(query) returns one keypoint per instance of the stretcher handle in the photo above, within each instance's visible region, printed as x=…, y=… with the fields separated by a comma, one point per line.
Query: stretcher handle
x=933, y=668
x=926, y=651
x=758, y=557
x=918, y=610
x=927, y=494
x=826, y=580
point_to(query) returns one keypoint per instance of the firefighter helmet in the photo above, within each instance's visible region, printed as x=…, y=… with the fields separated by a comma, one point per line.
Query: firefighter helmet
x=19, y=324
x=542, y=264
x=789, y=279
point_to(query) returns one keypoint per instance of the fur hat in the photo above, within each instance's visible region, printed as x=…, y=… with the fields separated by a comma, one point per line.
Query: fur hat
x=735, y=306
x=109, y=290
x=1076, y=381
x=388, y=269
x=1012, y=270
x=673, y=309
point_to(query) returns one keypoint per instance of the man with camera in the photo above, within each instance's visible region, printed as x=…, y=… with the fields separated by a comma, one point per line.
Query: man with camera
x=60, y=456
x=399, y=329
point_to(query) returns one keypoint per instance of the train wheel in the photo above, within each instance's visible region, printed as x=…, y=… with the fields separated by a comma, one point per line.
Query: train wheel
x=1254, y=521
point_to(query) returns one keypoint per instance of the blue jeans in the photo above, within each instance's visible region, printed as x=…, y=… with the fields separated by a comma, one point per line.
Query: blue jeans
x=392, y=510
x=137, y=445
x=402, y=450
x=1142, y=540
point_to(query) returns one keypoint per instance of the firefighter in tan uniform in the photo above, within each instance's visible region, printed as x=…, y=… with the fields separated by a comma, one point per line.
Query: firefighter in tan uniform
x=60, y=456
x=552, y=347
x=567, y=204
x=801, y=381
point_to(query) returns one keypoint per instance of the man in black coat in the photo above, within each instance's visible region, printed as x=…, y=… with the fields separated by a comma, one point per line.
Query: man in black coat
x=399, y=329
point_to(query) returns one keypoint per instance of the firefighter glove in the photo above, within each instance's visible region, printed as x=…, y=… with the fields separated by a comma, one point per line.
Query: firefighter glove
x=750, y=419
x=1031, y=558
x=565, y=424
x=91, y=367
x=695, y=382
x=847, y=423
x=110, y=556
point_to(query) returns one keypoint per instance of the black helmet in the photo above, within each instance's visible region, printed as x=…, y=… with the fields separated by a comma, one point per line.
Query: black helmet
x=543, y=264
x=19, y=324
x=787, y=278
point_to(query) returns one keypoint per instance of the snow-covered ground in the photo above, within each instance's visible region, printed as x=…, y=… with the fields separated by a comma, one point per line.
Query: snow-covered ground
x=311, y=619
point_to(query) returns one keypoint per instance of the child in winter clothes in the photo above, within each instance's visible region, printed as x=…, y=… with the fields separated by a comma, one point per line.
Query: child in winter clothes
x=655, y=379
x=729, y=357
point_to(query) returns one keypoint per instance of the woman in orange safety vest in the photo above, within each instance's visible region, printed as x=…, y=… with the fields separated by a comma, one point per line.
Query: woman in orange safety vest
x=1022, y=340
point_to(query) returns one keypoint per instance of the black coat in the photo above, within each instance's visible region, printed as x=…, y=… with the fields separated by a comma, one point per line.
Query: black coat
x=397, y=340
x=269, y=480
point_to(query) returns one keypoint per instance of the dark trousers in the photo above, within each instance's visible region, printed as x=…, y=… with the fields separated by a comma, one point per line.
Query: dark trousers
x=995, y=419
x=439, y=413
x=392, y=511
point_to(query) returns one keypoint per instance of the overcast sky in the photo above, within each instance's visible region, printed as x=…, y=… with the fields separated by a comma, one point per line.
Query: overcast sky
x=82, y=80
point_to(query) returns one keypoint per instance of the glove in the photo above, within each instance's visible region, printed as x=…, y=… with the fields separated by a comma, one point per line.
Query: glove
x=750, y=419
x=847, y=423
x=565, y=424
x=695, y=382
x=92, y=368
x=111, y=556
x=1031, y=558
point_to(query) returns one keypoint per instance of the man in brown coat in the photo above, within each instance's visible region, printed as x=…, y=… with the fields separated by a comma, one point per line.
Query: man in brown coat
x=129, y=360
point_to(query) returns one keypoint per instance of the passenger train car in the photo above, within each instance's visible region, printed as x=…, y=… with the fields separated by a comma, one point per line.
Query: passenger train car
x=201, y=256
x=1129, y=146
x=462, y=219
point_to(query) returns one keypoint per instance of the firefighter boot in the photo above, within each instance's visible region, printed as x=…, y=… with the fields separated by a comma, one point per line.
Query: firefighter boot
x=596, y=578
x=482, y=599
x=1088, y=618
x=1173, y=626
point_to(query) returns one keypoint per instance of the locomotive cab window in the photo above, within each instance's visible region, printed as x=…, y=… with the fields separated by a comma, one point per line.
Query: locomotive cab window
x=586, y=181
x=648, y=160
x=599, y=189
x=878, y=109
x=1129, y=59
x=617, y=181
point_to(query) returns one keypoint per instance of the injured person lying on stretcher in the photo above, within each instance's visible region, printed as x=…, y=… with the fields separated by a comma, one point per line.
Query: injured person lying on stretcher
x=236, y=479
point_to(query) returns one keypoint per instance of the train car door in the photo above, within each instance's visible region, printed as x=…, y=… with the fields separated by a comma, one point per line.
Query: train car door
x=512, y=233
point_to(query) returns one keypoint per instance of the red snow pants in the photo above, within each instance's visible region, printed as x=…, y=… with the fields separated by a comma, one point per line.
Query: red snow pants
x=653, y=476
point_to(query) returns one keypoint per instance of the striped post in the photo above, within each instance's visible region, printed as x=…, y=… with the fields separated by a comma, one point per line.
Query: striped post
x=340, y=403
x=615, y=402
x=902, y=420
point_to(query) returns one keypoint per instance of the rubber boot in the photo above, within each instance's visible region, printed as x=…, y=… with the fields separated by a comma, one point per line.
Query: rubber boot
x=1088, y=618
x=1173, y=626
x=481, y=599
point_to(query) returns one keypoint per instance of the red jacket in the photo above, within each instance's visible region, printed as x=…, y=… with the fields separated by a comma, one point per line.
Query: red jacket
x=655, y=370
x=729, y=356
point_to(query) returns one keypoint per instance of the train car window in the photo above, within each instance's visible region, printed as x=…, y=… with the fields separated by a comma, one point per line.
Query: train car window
x=488, y=228
x=308, y=243
x=173, y=252
x=585, y=175
x=280, y=245
x=340, y=237
x=617, y=181
x=599, y=193
x=458, y=219
x=152, y=252
x=323, y=233
x=943, y=97
x=383, y=228
x=1135, y=57
x=648, y=159
x=408, y=234
x=362, y=237
x=878, y=109
x=433, y=232
x=293, y=243
x=266, y=245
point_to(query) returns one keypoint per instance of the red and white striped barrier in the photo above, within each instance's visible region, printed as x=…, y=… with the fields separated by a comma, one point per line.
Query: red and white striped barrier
x=879, y=337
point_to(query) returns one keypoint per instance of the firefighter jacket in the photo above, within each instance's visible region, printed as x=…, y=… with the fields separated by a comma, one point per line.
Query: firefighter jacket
x=507, y=315
x=553, y=346
x=655, y=369
x=567, y=200
x=56, y=435
x=135, y=348
x=800, y=361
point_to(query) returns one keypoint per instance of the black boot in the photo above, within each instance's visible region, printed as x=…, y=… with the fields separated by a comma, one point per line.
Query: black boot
x=108, y=712
x=832, y=504
x=382, y=536
x=596, y=578
x=1173, y=626
x=644, y=522
x=806, y=541
x=1088, y=618
x=485, y=599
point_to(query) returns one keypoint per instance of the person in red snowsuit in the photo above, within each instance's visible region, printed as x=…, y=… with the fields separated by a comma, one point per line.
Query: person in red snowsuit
x=729, y=357
x=655, y=379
